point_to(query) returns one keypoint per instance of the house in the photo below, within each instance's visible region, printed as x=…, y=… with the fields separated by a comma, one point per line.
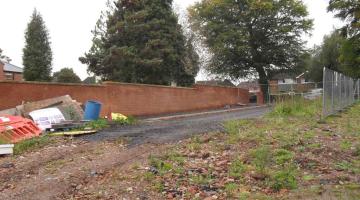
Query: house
x=252, y=86
x=284, y=82
x=10, y=72
x=225, y=82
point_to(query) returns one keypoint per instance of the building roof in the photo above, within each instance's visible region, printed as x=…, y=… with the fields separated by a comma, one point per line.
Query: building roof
x=225, y=82
x=12, y=68
x=281, y=76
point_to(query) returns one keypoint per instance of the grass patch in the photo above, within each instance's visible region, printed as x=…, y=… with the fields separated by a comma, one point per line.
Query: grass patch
x=261, y=158
x=265, y=158
x=284, y=179
x=160, y=165
x=231, y=188
x=283, y=156
x=298, y=107
x=237, y=169
x=31, y=144
x=98, y=124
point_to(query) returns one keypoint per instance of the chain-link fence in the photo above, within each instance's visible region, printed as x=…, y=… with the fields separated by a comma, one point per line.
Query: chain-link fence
x=279, y=92
x=340, y=92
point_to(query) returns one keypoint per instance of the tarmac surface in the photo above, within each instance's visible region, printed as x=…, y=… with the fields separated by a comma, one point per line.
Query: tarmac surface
x=173, y=130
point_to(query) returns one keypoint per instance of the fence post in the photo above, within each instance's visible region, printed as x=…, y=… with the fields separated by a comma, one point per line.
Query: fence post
x=324, y=82
x=332, y=92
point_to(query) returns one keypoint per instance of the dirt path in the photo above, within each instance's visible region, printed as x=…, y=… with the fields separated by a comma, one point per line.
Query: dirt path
x=60, y=172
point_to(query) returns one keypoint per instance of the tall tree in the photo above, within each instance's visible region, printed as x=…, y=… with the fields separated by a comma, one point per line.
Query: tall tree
x=349, y=11
x=37, y=54
x=143, y=43
x=66, y=75
x=4, y=57
x=251, y=37
x=325, y=55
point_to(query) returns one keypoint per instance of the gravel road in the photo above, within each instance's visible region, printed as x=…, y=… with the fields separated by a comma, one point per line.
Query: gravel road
x=159, y=132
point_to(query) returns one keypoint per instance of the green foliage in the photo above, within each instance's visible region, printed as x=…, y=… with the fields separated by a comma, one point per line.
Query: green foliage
x=350, y=57
x=308, y=177
x=37, y=54
x=284, y=179
x=142, y=42
x=249, y=37
x=201, y=179
x=98, y=124
x=195, y=144
x=66, y=75
x=326, y=55
x=298, y=107
x=357, y=150
x=349, y=11
x=237, y=168
x=175, y=157
x=345, y=145
x=344, y=165
x=261, y=158
x=31, y=144
x=128, y=121
x=4, y=57
x=283, y=156
x=231, y=188
x=162, y=166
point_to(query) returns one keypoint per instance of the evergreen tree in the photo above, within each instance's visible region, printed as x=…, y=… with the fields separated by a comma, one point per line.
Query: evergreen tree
x=143, y=43
x=66, y=75
x=37, y=57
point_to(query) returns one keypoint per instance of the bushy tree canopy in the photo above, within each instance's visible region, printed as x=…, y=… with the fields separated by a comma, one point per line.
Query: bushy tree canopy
x=4, y=57
x=141, y=42
x=37, y=57
x=252, y=37
x=349, y=12
x=66, y=75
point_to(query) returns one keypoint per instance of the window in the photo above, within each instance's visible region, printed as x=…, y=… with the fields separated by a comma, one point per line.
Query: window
x=9, y=76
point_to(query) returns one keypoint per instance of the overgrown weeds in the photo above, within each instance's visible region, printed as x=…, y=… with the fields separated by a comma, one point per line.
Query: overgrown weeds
x=31, y=144
x=287, y=150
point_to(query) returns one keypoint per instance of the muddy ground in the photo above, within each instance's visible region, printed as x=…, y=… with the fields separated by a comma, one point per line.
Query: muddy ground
x=80, y=168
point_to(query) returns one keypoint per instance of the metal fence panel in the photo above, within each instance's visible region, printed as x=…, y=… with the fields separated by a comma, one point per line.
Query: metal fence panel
x=339, y=92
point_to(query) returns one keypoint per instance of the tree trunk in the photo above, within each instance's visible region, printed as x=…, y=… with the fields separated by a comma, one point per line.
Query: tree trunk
x=264, y=83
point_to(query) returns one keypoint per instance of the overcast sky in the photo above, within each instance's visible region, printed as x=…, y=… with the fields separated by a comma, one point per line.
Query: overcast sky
x=70, y=23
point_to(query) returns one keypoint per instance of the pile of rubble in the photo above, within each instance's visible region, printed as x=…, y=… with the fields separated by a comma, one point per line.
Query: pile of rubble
x=31, y=119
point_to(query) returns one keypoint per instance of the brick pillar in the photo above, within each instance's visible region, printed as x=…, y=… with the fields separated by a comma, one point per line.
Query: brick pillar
x=2, y=75
x=260, y=98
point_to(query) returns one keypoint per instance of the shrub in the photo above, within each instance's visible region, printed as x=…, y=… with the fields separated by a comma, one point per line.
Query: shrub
x=261, y=158
x=284, y=179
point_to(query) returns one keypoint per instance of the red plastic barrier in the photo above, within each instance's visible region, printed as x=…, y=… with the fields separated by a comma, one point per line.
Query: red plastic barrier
x=14, y=129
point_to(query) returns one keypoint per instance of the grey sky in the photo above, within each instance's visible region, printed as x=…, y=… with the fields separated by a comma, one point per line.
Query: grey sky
x=70, y=22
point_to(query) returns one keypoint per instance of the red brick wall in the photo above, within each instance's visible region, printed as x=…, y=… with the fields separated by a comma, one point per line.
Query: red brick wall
x=18, y=77
x=2, y=77
x=260, y=98
x=129, y=99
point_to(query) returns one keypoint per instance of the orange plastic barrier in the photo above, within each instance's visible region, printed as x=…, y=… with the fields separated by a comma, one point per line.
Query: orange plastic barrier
x=14, y=129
